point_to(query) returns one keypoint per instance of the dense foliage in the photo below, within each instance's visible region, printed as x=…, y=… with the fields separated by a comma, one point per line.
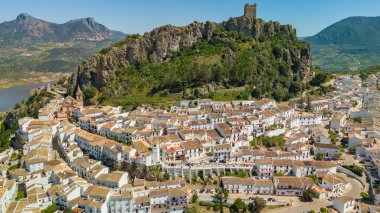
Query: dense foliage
x=355, y=169
x=275, y=141
x=229, y=59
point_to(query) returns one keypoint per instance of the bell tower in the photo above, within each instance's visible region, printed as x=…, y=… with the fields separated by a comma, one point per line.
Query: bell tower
x=79, y=98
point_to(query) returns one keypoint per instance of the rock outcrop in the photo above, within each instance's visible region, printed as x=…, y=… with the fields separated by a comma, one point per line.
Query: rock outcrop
x=157, y=46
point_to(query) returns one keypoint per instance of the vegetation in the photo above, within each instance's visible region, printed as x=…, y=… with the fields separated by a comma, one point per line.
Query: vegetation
x=194, y=198
x=323, y=210
x=320, y=78
x=275, y=141
x=319, y=155
x=50, y=209
x=358, y=170
x=239, y=206
x=309, y=194
x=257, y=205
x=20, y=195
x=220, y=197
x=229, y=59
x=314, y=178
x=364, y=195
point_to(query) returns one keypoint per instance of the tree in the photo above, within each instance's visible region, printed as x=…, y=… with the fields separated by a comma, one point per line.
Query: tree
x=314, y=178
x=257, y=204
x=20, y=195
x=166, y=176
x=50, y=209
x=319, y=155
x=308, y=107
x=364, y=195
x=238, y=205
x=323, y=210
x=295, y=88
x=221, y=197
x=280, y=174
x=309, y=194
x=311, y=211
x=194, y=198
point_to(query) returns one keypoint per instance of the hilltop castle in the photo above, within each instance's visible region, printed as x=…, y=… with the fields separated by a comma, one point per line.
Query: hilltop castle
x=250, y=10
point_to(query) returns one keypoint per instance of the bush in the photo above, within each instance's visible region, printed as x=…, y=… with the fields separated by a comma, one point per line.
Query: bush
x=207, y=203
x=20, y=195
x=50, y=209
x=194, y=198
x=323, y=210
x=355, y=169
x=364, y=195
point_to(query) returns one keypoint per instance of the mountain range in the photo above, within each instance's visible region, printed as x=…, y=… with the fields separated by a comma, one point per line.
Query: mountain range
x=350, y=44
x=31, y=44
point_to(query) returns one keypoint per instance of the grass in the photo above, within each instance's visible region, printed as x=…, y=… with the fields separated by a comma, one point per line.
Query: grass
x=138, y=100
x=345, y=57
x=12, y=79
x=47, y=56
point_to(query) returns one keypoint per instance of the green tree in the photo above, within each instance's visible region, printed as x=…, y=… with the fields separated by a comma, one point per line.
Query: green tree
x=50, y=209
x=320, y=155
x=166, y=176
x=257, y=204
x=314, y=178
x=221, y=197
x=323, y=210
x=311, y=211
x=309, y=194
x=239, y=206
x=194, y=198
x=20, y=195
x=280, y=174
x=308, y=107
x=364, y=195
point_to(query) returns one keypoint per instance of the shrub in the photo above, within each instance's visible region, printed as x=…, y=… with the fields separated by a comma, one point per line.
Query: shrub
x=355, y=169
x=206, y=203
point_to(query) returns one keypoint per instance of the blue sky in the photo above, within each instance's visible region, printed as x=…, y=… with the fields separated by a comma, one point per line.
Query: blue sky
x=139, y=16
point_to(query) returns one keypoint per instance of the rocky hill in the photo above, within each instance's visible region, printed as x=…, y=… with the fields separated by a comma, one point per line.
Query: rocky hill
x=354, y=42
x=31, y=44
x=242, y=51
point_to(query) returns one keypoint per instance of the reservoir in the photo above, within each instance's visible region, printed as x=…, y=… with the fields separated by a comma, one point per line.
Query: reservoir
x=10, y=96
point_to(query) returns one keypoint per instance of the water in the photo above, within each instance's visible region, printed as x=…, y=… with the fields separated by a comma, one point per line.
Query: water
x=10, y=96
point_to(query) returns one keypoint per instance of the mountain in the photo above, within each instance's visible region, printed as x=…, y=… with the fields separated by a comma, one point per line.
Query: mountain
x=350, y=44
x=349, y=31
x=31, y=44
x=199, y=60
x=26, y=28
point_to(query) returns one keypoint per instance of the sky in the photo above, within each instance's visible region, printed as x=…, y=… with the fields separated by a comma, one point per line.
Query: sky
x=139, y=16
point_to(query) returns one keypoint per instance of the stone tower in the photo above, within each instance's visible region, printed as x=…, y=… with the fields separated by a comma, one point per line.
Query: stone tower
x=79, y=98
x=250, y=10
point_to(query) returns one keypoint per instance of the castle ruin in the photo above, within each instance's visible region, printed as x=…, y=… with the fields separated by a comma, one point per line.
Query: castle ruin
x=250, y=10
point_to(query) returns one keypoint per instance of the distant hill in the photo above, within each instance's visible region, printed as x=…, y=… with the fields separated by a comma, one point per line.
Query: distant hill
x=349, y=31
x=31, y=44
x=350, y=44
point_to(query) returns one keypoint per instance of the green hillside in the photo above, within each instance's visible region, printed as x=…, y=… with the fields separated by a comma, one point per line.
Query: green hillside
x=350, y=44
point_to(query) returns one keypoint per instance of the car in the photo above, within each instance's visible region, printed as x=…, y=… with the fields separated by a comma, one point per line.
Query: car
x=201, y=191
x=271, y=199
x=212, y=161
x=222, y=161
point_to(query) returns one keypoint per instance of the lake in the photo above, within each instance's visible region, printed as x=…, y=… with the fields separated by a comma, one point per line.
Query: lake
x=10, y=96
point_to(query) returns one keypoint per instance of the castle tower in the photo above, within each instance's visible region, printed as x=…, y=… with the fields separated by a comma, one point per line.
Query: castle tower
x=250, y=10
x=79, y=98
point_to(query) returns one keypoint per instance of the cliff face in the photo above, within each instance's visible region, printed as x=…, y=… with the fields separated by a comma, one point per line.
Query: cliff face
x=157, y=46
